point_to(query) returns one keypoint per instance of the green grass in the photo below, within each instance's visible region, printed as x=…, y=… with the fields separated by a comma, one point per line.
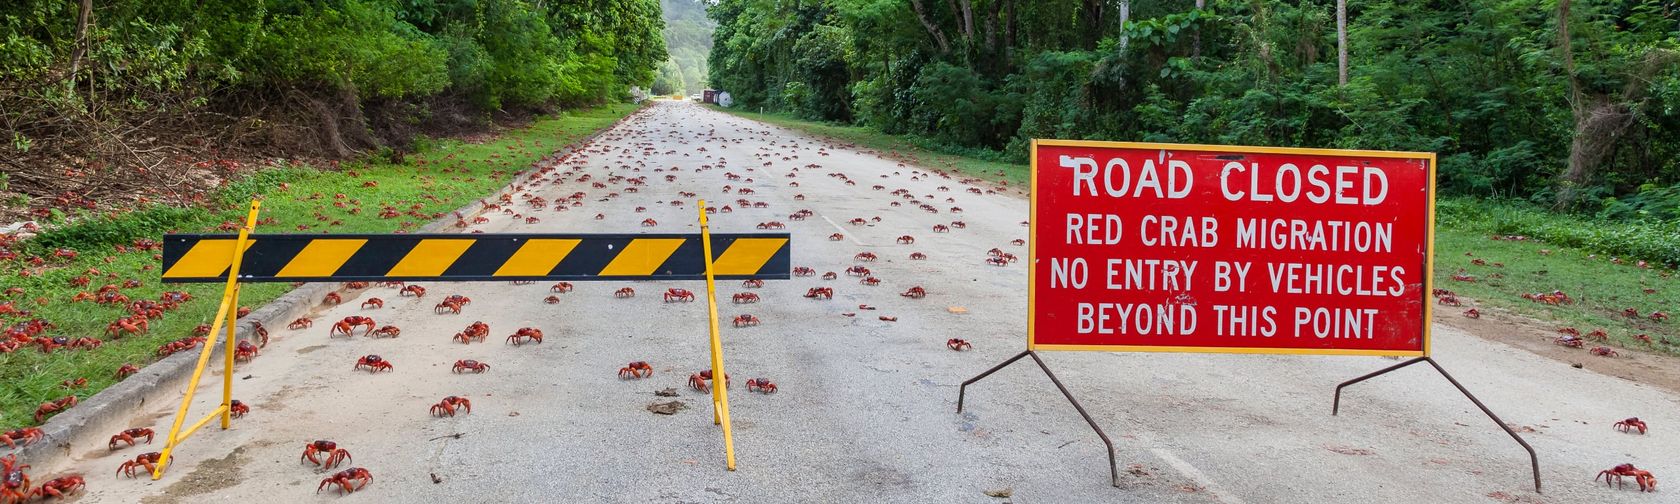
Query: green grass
x=911, y=150
x=1579, y=262
x=445, y=176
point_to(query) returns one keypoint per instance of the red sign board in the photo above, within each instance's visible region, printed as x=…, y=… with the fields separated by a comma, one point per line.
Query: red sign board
x=1198, y=248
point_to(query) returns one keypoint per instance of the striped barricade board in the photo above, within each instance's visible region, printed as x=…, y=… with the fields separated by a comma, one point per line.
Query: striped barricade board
x=189, y=258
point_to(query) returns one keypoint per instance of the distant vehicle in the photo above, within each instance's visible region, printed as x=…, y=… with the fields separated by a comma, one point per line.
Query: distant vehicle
x=694, y=97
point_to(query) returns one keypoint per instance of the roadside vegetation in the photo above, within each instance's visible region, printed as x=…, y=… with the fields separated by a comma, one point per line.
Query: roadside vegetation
x=1489, y=254
x=110, y=249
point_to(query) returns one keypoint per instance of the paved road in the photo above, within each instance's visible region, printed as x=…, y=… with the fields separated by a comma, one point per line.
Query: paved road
x=865, y=411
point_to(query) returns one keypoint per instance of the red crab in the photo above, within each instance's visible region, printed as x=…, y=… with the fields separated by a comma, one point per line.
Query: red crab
x=126, y=370
x=54, y=406
x=906, y=240
x=58, y=487
x=374, y=302
x=745, y=320
x=351, y=322
x=348, y=480
x=448, y=405
x=561, y=288
x=470, y=365
x=147, y=460
x=635, y=370
x=1569, y=341
x=412, y=290
x=649, y=223
x=958, y=344
x=678, y=295
x=525, y=333
x=238, y=409
x=27, y=436
x=1658, y=316
x=448, y=305
x=1473, y=313
x=301, y=323
x=752, y=284
x=918, y=256
x=333, y=298
x=245, y=351
x=870, y=281
x=1630, y=424
x=836, y=237
x=744, y=298
x=698, y=380
x=624, y=293
x=865, y=257
x=374, y=363
x=761, y=385
x=389, y=331
x=916, y=292
x=803, y=271
x=1647, y=482
x=857, y=271
x=830, y=275
x=130, y=436
x=1604, y=352
x=820, y=293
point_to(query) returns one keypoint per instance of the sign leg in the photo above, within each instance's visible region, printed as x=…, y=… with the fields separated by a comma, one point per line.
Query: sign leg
x=1113, y=467
x=1533, y=459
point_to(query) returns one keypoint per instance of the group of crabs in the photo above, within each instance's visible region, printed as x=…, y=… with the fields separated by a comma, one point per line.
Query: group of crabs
x=1572, y=338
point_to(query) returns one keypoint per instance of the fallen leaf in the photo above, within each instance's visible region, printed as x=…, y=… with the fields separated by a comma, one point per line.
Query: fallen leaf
x=513, y=413
x=668, y=392
x=956, y=309
x=436, y=479
x=888, y=319
x=666, y=408
x=1005, y=492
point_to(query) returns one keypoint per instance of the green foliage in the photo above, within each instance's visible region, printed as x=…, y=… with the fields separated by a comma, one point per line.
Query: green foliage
x=141, y=56
x=1481, y=82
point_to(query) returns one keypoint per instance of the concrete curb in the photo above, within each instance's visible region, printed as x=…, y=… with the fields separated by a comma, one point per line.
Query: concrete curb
x=111, y=410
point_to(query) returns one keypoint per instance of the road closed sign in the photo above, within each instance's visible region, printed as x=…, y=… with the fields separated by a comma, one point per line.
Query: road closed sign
x=1199, y=248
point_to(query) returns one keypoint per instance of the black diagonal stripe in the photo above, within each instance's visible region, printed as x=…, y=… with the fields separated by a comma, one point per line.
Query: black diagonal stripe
x=377, y=257
x=686, y=259
x=484, y=257
x=591, y=256
x=271, y=254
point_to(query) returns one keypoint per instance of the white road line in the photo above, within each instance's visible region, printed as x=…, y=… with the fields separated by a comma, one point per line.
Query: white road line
x=843, y=232
x=1190, y=471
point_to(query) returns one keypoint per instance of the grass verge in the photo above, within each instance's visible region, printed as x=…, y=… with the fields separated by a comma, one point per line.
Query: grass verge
x=445, y=176
x=1559, y=252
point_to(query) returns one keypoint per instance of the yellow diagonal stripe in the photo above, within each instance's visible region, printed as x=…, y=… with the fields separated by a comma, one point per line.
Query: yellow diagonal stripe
x=746, y=256
x=207, y=258
x=537, y=257
x=430, y=258
x=320, y=258
x=642, y=257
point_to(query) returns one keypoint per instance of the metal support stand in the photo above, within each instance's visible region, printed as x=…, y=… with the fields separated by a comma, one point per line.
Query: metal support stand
x=1335, y=405
x=1113, y=469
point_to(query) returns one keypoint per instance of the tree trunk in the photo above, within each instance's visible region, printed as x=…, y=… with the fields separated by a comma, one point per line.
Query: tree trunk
x=1341, y=42
x=932, y=29
x=82, y=21
x=1196, y=38
x=1125, y=15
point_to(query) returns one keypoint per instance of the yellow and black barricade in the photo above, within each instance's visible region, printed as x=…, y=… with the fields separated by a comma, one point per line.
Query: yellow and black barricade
x=475, y=257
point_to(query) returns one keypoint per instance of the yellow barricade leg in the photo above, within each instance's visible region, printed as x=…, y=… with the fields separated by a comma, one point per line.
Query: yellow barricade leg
x=229, y=310
x=720, y=381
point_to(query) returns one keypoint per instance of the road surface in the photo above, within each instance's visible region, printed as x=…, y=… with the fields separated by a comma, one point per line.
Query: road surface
x=866, y=407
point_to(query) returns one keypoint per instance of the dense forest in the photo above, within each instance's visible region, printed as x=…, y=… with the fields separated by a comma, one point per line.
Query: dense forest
x=1570, y=104
x=96, y=95
x=688, y=37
